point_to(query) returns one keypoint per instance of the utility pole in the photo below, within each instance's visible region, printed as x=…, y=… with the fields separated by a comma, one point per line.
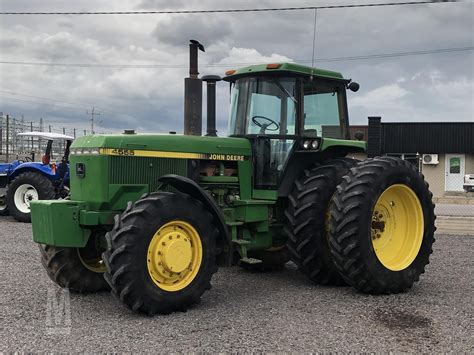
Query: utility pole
x=74, y=131
x=8, y=138
x=41, y=127
x=93, y=113
x=1, y=133
x=31, y=130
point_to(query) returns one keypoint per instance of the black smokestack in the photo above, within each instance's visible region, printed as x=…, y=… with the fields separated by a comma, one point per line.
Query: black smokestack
x=193, y=93
x=211, y=81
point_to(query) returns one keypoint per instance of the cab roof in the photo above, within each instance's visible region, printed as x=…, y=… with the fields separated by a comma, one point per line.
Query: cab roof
x=281, y=69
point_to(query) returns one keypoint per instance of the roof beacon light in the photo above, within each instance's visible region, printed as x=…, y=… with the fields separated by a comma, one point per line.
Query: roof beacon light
x=273, y=66
x=230, y=72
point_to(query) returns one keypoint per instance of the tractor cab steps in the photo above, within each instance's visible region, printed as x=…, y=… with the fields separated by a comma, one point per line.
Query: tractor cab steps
x=242, y=244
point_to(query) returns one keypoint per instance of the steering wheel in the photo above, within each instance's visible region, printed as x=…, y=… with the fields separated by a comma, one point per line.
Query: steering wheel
x=25, y=159
x=264, y=126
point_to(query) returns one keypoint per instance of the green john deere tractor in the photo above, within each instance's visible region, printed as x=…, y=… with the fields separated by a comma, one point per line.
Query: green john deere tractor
x=151, y=217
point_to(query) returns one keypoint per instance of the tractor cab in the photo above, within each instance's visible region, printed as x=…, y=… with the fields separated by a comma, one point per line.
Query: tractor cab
x=284, y=109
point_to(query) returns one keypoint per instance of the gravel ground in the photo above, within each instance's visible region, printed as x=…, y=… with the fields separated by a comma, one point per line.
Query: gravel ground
x=244, y=311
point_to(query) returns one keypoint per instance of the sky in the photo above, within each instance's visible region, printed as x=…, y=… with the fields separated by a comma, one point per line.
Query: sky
x=422, y=88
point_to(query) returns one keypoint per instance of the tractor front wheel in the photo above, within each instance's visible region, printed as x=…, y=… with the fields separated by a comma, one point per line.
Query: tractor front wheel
x=3, y=205
x=27, y=187
x=78, y=269
x=382, y=226
x=161, y=253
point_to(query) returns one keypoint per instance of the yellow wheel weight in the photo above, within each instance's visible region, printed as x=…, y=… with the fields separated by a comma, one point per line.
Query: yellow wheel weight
x=174, y=256
x=397, y=227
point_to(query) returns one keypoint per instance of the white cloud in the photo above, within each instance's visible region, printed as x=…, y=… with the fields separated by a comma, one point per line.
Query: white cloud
x=251, y=55
x=385, y=97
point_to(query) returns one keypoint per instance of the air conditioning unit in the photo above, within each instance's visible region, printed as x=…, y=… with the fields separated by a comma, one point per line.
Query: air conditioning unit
x=430, y=159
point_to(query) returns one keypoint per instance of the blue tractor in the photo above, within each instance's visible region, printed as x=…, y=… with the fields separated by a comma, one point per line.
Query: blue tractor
x=25, y=180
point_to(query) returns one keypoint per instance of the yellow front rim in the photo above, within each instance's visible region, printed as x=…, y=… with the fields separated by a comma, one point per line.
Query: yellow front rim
x=95, y=264
x=174, y=255
x=397, y=227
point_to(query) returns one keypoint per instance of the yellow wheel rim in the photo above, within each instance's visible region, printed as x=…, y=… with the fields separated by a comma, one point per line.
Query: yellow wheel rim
x=397, y=227
x=174, y=256
x=95, y=264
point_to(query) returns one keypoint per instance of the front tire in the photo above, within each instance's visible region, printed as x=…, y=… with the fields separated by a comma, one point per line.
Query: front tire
x=161, y=253
x=3, y=205
x=27, y=187
x=78, y=269
x=382, y=226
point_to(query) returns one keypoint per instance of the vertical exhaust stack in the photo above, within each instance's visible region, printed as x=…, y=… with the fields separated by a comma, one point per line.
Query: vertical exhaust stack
x=211, y=81
x=193, y=93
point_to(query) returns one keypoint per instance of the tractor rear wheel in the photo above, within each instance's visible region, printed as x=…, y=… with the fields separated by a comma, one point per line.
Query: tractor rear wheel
x=382, y=226
x=78, y=269
x=161, y=253
x=306, y=220
x=26, y=187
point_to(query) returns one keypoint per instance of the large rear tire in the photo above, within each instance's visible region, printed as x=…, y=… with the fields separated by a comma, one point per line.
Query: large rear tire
x=382, y=226
x=306, y=220
x=161, y=253
x=78, y=269
x=26, y=187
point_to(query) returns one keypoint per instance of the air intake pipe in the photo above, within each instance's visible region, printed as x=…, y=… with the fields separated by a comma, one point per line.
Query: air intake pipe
x=193, y=93
x=211, y=81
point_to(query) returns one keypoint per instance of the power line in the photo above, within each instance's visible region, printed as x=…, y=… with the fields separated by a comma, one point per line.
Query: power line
x=78, y=106
x=41, y=103
x=56, y=102
x=165, y=12
x=225, y=65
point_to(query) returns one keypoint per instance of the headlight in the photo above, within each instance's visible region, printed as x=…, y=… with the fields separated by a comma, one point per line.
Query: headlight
x=315, y=144
x=306, y=144
x=95, y=151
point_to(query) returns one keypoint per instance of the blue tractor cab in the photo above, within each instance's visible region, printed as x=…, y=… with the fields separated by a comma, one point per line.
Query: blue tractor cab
x=26, y=180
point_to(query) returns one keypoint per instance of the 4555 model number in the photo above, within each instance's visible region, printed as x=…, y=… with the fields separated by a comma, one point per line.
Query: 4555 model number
x=124, y=152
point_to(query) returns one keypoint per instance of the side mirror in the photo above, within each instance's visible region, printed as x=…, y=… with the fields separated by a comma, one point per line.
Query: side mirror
x=353, y=86
x=359, y=135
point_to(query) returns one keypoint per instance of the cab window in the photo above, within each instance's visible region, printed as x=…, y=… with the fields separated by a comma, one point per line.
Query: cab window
x=265, y=106
x=321, y=111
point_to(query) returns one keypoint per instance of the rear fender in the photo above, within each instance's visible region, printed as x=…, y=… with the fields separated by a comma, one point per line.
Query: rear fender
x=191, y=188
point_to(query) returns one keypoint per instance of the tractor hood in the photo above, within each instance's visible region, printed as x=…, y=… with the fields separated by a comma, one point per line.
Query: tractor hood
x=128, y=144
x=5, y=169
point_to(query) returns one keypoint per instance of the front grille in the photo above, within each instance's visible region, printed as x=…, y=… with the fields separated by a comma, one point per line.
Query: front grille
x=140, y=170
